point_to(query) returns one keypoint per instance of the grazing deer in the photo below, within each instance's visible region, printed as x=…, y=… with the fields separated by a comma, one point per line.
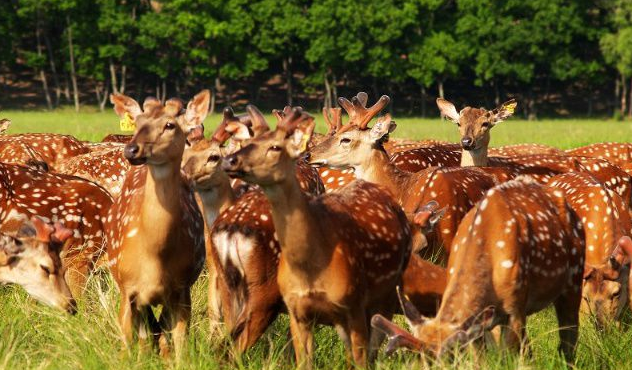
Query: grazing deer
x=518, y=251
x=618, y=154
x=30, y=257
x=77, y=204
x=606, y=220
x=475, y=125
x=361, y=148
x=336, y=267
x=155, y=229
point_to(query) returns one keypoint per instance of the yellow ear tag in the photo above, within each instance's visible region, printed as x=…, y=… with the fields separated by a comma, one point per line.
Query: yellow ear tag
x=304, y=141
x=127, y=123
x=511, y=107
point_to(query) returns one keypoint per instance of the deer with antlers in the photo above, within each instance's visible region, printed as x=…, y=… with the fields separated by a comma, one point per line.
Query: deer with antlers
x=29, y=256
x=361, y=148
x=155, y=230
x=505, y=264
x=606, y=221
x=475, y=125
x=330, y=258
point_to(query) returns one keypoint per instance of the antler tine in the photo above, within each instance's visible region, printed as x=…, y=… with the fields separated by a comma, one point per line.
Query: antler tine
x=259, y=123
x=333, y=119
x=293, y=118
x=280, y=114
x=397, y=337
x=359, y=115
x=220, y=135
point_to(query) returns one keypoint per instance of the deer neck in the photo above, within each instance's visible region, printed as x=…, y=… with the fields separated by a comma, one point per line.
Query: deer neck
x=216, y=200
x=295, y=224
x=378, y=169
x=160, y=210
x=478, y=156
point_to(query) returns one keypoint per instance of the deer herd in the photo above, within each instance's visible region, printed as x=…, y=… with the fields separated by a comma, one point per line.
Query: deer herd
x=345, y=229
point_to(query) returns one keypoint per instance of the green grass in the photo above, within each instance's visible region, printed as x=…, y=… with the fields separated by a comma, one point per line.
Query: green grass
x=36, y=337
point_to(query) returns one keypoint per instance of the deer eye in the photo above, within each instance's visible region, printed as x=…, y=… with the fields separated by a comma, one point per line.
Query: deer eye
x=275, y=148
x=46, y=269
x=170, y=126
x=213, y=158
x=458, y=123
x=616, y=293
x=485, y=124
x=345, y=140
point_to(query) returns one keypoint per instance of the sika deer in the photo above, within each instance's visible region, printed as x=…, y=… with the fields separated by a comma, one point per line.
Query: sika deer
x=606, y=220
x=30, y=257
x=5, y=123
x=50, y=149
x=361, y=148
x=336, y=268
x=78, y=204
x=506, y=264
x=475, y=125
x=616, y=153
x=155, y=229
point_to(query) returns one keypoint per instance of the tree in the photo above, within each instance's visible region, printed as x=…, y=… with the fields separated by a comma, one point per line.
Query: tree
x=617, y=46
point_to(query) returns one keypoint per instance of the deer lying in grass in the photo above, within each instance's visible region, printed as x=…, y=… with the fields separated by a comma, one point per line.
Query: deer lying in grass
x=619, y=154
x=155, y=229
x=606, y=221
x=506, y=264
x=336, y=267
x=29, y=256
x=359, y=147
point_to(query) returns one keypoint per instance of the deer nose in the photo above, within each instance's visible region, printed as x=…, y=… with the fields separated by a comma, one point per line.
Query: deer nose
x=305, y=157
x=72, y=306
x=467, y=142
x=230, y=162
x=131, y=150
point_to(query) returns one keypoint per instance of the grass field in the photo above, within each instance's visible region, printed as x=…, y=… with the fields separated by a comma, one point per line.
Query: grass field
x=36, y=337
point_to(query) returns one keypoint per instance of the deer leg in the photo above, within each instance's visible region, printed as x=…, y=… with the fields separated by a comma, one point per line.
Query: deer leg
x=179, y=315
x=343, y=333
x=567, y=311
x=147, y=320
x=126, y=319
x=359, y=338
x=514, y=333
x=260, y=318
x=303, y=342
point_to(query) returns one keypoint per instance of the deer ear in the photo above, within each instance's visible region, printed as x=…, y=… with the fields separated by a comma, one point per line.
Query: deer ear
x=382, y=127
x=297, y=143
x=504, y=111
x=43, y=230
x=197, y=108
x=239, y=131
x=428, y=215
x=4, y=125
x=124, y=104
x=410, y=311
x=622, y=254
x=61, y=233
x=8, y=249
x=448, y=110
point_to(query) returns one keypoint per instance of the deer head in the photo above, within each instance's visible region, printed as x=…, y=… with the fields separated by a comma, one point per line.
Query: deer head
x=430, y=335
x=475, y=123
x=351, y=144
x=269, y=158
x=30, y=258
x=161, y=130
x=4, y=125
x=605, y=292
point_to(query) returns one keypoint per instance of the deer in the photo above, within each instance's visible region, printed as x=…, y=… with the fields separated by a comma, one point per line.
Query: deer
x=475, y=125
x=616, y=153
x=50, y=149
x=524, y=149
x=78, y=204
x=330, y=258
x=606, y=221
x=155, y=229
x=116, y=138
x=106, y=167
x=506, y=264
x=5, y=123
x=29, y=257
x=361, y=148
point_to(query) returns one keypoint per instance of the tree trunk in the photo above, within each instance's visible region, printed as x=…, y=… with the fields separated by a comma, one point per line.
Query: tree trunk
x=327, y=102
x=624, y=96
x=73, y=74
x=496, y=93
x=630, y=100
x=113, y=80
x=531, y=101
x=42, y=74
x=53, y=68
x=66, y=87
x=440, y=86
x=423, y=101
x=212, y=106
x=102, y=93
x=617, y=91
x=287, y=68
x=334, y=90
x=123, y=79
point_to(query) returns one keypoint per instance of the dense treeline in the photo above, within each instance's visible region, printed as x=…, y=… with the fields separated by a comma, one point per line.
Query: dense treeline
x=562, y=56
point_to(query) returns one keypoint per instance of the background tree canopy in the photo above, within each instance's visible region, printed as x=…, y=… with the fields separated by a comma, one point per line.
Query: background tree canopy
x=555, y=56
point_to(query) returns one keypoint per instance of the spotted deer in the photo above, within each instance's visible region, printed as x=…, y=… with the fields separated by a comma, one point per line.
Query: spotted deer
x=106, y=167
x=330, y=257
x=606, y=220
x=475, y=125
x=29, y=256
x=5, y=123
x=50, y=149
x=524, y=149
x=77, y=204
x=619, y=154
x=155, y=230
x=506, y=264
x=361, y=148
x=116, y=138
